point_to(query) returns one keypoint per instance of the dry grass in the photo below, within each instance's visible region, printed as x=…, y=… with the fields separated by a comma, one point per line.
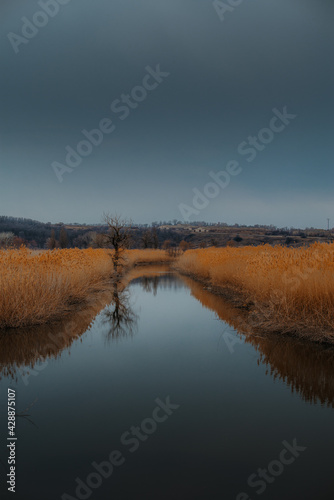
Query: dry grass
x=147, y=256
x=39, y=287
x=286, y=290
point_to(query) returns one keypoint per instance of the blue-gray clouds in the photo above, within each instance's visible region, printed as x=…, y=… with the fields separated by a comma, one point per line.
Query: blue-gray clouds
x=225, y=78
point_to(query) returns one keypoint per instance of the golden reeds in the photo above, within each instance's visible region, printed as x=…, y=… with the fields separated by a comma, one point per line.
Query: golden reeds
x=287, y=290
x=147, y=256
x=39, y=287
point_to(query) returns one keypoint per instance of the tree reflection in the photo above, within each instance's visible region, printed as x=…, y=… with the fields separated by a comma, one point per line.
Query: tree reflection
x=307, y=368
x=23, y=350
x=119, y=316
x=151, y=284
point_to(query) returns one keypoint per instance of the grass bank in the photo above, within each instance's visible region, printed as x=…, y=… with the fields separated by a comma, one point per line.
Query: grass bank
x=147, y=257
x=283, y=290
x=278, y=289
x=40, y=287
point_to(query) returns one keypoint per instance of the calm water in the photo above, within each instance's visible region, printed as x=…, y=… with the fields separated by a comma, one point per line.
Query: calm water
x=100, y=381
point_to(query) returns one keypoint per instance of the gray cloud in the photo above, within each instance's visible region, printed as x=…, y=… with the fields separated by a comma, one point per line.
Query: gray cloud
x=225, y=79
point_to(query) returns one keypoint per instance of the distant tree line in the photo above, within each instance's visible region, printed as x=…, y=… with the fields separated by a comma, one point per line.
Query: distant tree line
x=17, y=231
x=35, y=234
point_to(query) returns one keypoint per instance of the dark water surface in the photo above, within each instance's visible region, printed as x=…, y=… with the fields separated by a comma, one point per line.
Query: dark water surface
x=194, y=410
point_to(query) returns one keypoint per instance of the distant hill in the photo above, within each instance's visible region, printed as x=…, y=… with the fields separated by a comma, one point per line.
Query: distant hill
x=35, y=234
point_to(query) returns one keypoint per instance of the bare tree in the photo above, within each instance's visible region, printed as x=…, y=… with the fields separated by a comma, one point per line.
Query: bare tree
x=155, y=238
x=146, y=239
x=6, y=239
x=118, y=236
x=99, y=240
x=184, y=245
x=63, y=238
x=171, y=248
x=166, y=245
x=51, y=242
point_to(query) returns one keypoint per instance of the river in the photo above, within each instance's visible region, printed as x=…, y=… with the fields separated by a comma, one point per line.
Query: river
x=150, y=392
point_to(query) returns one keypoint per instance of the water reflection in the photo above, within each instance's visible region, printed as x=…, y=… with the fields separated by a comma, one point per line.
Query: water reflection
x=306, y=367
x=22, y=349
x=151, y=284
x=119, y=315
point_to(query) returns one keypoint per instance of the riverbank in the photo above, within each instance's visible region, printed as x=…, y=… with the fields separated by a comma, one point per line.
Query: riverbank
x=41, y=287
x=276, y=289
x=147, y=257
x=282, y=290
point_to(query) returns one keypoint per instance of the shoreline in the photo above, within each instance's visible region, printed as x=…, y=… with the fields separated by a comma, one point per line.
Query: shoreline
x=73, y=305
x=255, y=316
x=251, y=318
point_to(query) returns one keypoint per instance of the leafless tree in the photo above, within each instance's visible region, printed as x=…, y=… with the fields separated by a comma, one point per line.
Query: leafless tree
x=166, y=245
x=51, y=242
x=146, y=239
x=184, y=245
x=63, y=238
x=118, y=236
x=6, y=239
x=155, y=238
x=98, y=240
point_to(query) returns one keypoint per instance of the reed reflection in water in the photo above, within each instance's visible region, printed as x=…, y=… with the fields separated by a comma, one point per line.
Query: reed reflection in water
x=306, y=367
x=24, y=352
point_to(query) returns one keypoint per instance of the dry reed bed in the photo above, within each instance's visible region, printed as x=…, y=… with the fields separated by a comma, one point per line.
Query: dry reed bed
x=286, y=290
x=147, y=256
x=40, y=287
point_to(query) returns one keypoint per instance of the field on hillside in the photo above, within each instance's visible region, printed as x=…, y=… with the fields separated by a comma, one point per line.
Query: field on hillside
x=285, y=290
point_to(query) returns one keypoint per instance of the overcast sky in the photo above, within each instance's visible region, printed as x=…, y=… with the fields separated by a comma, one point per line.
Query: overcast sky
x=223, y=72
